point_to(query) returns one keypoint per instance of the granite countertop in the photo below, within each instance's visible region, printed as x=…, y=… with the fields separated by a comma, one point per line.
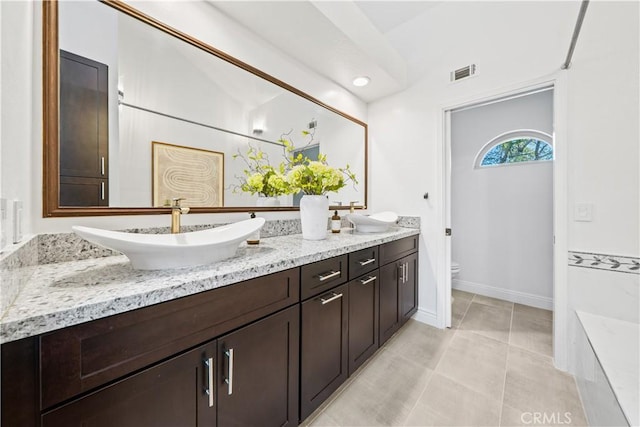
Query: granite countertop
x=69, y=293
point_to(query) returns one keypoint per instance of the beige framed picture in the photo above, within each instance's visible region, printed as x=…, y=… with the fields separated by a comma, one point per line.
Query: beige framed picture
x=194, y=174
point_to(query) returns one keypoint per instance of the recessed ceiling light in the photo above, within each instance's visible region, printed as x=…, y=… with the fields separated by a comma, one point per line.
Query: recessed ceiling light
x=361, y=81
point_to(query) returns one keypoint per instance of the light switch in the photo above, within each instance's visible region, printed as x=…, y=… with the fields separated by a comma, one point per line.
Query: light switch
x=583, y=212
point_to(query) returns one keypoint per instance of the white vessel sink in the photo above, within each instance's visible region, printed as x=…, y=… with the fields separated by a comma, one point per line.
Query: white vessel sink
x=160, y=251
x=376, y=223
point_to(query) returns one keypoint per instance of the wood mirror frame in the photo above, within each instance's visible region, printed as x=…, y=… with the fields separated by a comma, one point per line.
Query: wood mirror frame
x=51, y=165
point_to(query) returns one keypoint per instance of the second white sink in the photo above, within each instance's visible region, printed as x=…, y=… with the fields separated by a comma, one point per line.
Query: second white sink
x=162, y=251
x=376, y=223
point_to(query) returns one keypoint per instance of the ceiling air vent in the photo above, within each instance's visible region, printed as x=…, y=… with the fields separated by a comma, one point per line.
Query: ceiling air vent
x=464, y=72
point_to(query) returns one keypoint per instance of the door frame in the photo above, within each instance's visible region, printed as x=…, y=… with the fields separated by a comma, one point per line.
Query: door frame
x=558, y=82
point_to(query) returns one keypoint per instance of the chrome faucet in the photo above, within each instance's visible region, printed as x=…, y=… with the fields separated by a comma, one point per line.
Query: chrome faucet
x=176, y=211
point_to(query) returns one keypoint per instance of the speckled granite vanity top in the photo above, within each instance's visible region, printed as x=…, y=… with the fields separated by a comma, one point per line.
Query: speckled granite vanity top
x=69, y=293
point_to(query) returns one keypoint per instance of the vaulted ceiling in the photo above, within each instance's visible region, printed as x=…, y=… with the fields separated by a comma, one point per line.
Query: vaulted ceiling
x=394, y=43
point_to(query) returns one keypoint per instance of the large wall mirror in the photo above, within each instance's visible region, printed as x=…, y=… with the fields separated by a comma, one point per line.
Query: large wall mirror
x=136, y=113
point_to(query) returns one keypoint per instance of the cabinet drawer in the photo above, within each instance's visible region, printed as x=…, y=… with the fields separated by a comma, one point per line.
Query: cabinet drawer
x=322, y=276
x=82, y=357
x=400, y=248
x=363, y=261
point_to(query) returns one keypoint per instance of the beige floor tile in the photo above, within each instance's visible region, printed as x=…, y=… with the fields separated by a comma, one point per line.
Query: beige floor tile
x=458, y=294
x=493, y=302
x=335, y=395
x=492, y=322
x=538, y=313
x=534, y=385
x=459, y=308
x=422, y=416
x=323, y=420
x=420, y=343
x=476, y=362
x=532, y=333
x=448, y=403
x=363, y=404
x=515, y=417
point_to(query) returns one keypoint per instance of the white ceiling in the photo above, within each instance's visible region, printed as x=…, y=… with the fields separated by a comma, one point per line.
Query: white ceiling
x=392, y=42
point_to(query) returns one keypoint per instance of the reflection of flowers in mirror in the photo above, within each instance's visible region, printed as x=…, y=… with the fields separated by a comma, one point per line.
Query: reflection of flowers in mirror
x=260, y=177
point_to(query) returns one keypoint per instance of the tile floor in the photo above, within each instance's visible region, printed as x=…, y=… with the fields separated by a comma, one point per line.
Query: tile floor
x=492, y=368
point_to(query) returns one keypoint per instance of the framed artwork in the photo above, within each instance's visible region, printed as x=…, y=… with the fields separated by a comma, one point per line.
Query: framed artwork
x=194, y=174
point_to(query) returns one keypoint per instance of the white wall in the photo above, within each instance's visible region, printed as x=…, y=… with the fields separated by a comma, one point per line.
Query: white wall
x=17, y=103
x=22, y=127
x=601, y=101
x=502, y=216
x=406, y=129
x=604, y=169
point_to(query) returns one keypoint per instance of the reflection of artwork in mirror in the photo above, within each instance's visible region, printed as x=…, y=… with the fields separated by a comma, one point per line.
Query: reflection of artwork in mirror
x=193, y=174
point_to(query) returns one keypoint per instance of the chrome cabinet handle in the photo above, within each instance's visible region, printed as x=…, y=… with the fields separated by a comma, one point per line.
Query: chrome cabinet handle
x=209, y=389
x=367, y=261
x=368, y=280
x=102, y=189
x=333, y=297
x=401, y=273
x=229, y=379
x=102, y=165
x=328, y=276
x=406, y=272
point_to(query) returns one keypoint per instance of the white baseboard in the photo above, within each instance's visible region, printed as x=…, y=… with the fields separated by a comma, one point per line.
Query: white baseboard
x=426, y=316
x=504, y=294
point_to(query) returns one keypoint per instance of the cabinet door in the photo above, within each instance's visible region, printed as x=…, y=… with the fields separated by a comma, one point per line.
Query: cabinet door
x=323, y=348
x=84, y=130
x=389, y=314
x=177, y=392
x=258, y=372
x=363, y=319
x=408, y=287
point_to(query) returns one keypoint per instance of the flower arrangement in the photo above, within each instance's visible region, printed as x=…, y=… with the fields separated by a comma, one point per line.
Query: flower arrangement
x=296, y=173
x=260, y=177
x=316, y=177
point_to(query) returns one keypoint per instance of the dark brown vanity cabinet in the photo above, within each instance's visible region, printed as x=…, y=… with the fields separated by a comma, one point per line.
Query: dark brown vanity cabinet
x=263, y=352
x=363, y=319
x=212, y=384
x=84, y=131
x=258, y=372
x=177, y=392
x=324, y=333
x=398, y=285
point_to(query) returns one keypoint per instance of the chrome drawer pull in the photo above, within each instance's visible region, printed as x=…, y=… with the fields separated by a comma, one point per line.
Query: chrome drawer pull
x=401, y=273
x=229, y=379
x=333, y=298
x=328, y=276
x=209, y=390
x=368, y=280
x=367, y=261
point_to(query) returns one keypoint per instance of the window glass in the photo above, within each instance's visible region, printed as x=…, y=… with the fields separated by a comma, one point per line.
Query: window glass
x=518, y=150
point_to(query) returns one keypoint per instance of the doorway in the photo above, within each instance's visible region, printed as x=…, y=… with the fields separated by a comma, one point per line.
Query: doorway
x=499, y=198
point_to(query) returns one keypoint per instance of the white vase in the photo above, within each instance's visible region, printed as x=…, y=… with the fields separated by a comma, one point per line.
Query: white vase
x=267, y=201
x=314, y=211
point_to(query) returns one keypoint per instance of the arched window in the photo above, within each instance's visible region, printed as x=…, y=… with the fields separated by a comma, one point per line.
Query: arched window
x=516, y=147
